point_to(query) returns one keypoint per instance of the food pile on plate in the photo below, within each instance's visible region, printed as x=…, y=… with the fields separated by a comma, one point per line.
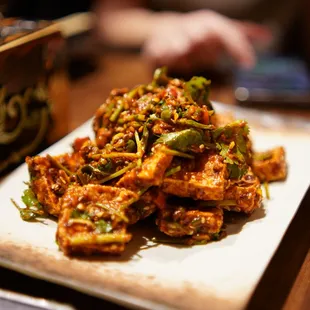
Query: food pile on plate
x=161, y=150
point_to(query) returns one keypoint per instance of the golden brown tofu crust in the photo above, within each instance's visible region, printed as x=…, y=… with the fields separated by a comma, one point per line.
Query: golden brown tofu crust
x=180, y=221
x=47, y=183
x=98, y=204
x=151, y=173
x=273, y=168
x=207, y=183
x=153, y=169
x=245, y=192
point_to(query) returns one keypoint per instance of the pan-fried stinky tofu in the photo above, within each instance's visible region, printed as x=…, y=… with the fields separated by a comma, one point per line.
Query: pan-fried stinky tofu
x=151, y=173
x=153, y=168
x=93, y=219
x=178, y=221
x=270, y=165
x=161, y=149
x=245, y=194
x=47, y=182
x=207, y=183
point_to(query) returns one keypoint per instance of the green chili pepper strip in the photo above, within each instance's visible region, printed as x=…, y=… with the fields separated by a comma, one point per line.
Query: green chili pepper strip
x=192, y=123
x=142, y=191
x=177, y=153
x=118, y=173
x=172, y=171
x=117, y=112
x=266, y=187
x=85, y=239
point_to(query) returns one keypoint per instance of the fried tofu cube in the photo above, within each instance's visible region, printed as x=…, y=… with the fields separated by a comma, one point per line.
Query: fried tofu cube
x=153, y=168
x=271, y=165
x=245, y=194
x=93, y=219
x=48, y=181
x=207, y=183
x=151, y=173
x=200, y=224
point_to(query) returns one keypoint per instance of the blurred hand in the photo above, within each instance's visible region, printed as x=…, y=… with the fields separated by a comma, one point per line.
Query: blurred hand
x=199, y=40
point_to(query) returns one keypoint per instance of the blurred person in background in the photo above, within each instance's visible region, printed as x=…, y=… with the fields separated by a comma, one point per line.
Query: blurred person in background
x=195, y=34
x=189, y=35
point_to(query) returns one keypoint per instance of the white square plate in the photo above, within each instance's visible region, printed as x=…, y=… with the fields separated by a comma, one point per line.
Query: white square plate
x=219, y=275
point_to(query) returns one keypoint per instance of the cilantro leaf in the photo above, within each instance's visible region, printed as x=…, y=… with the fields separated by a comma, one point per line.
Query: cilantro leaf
x=197, y=90
x=30, y=200
x=236, y=172
x=182, y=140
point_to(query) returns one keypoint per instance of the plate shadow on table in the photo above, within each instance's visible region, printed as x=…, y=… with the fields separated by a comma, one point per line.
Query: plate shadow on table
x=235, y=221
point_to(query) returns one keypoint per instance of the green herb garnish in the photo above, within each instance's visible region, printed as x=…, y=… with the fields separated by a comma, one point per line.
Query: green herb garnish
x=237, y=171
x=197, y=90
x=84, y=239
x=177, y=153
x=182, y=140
x=30, y=200
x=76, y=214
x=131, y=146
x=231, y=140
x=89, y=173
x=173, y=171
x=117, y=173
x=103, y=226
x=266, y=187
x=117, y=112
x=191, y=123
x=33, y=209
x=166, y=113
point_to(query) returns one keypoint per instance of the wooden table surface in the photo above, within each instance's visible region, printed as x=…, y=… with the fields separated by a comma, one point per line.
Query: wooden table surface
x=286, y=282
